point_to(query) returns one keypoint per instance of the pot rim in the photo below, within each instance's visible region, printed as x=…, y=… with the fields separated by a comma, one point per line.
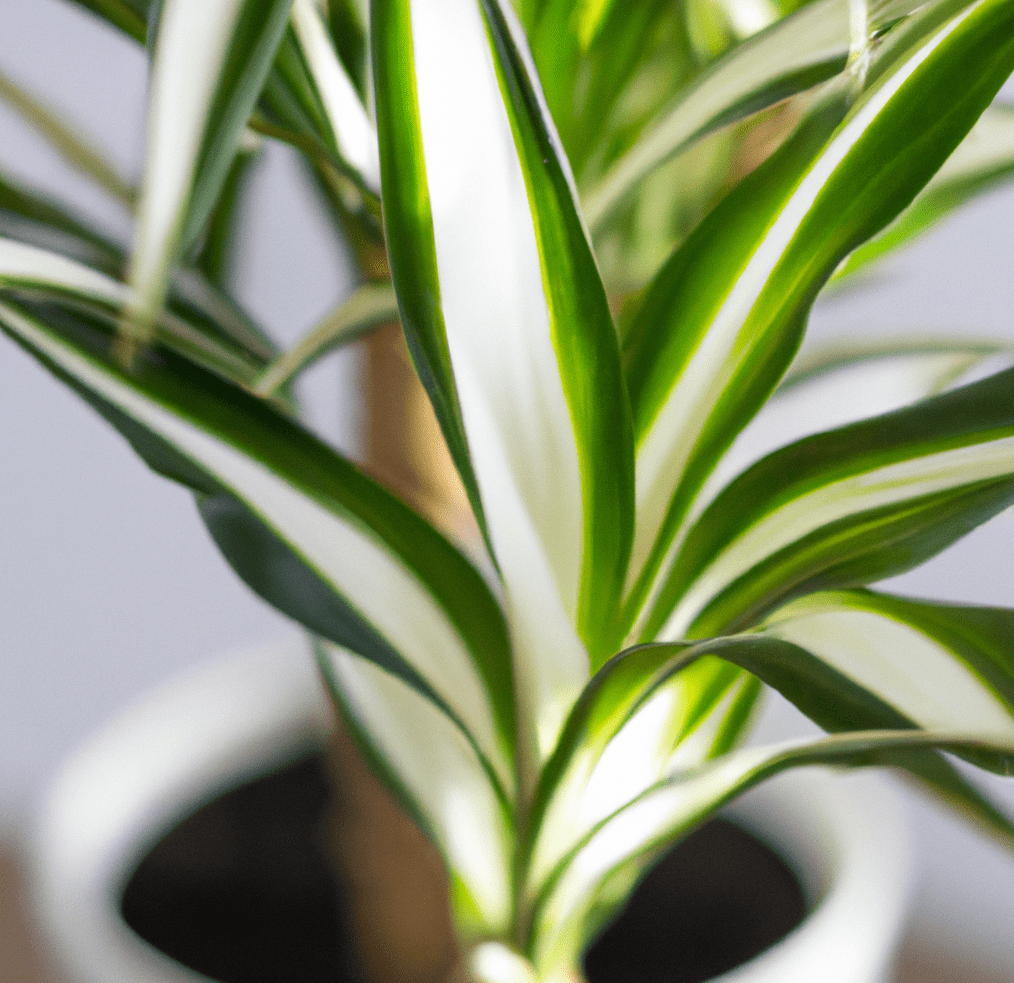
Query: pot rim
x=239, y=714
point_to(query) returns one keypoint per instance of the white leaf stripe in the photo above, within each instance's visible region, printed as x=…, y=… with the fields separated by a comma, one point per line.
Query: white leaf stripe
x=888, y=485
x=922, y=678
x=516, y=418
x=662, y=735
x=724, y=348
x=339, y=547
x=26, y=265
x=440, y=772
x=848, y=389
x=690, y=410
x=484, y=234
x=354, y=134
x=583, y=335
x=195, y=34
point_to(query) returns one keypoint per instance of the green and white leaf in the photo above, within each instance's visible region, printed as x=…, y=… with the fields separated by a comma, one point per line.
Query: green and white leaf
x=27, y=216
x=211, y=58
x=846, y=507
x=944, y=667
x=26, y=267
x=635, y=720
x=724, y=317
x=672, y=808
x=352, y=131
x=437, y=769
x=840, y=383
x=794, y=54
x=337, y=525
x=524, y=375
x=982, y=161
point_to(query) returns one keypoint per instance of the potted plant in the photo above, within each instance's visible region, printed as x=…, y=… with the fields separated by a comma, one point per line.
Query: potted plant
x=604, y=310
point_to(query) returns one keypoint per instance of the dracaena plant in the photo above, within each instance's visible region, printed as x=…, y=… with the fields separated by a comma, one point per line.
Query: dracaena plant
x=603, y=278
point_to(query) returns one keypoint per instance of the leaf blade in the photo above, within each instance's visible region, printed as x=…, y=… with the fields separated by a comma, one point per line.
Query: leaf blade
x=358, y=539
x=210, y=61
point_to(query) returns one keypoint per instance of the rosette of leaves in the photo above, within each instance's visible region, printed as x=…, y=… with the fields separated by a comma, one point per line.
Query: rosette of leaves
x=562, y=698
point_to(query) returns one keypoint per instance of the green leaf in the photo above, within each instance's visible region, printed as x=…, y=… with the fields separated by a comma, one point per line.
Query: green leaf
x=943, y=667
x=587, y=54
x=677, y=804
x=217, y=251
x=356, y=538
x=983, y=161
x=723, y=319
x=36, y=221
x=490, y=260
x=32, y=218
x=438, y=771
x=368, y=307
x=845, y=508
x=792, y=55
x=76, y=149
x=348, y=31
x=130, y=16
x=211, y=59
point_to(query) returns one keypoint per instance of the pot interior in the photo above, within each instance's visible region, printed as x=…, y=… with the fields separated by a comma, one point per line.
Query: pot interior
x=246, y=890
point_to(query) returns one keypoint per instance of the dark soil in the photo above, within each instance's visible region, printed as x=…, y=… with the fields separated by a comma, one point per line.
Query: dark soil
x=243, y=891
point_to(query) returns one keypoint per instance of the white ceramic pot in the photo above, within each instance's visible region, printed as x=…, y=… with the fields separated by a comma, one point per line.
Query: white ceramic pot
x=237, y=716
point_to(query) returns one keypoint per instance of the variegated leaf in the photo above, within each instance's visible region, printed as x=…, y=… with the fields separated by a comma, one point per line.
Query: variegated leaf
x=439, y=778
x=351, y=132
x=982, y=161
x=674, y=806
x=844, y=508
x=724, y=317
x=210, y=61
x=301, y=507
x=944, y=667
x=840, y=383
x=794, y=54
x=524, y=374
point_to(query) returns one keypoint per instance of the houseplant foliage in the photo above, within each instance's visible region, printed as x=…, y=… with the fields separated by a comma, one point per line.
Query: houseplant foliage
x=603, y=278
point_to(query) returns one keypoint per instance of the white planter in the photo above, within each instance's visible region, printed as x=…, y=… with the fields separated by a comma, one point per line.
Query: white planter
x=174, y=749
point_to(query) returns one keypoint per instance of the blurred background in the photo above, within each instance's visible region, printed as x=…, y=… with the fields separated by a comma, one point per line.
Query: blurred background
x=109, y=584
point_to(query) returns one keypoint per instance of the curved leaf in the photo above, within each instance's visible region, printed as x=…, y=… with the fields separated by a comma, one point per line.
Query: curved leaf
x=437, y=770
x=28, y=268
x=981, y=162
x=371, y=305
x=792, y=55
x=845, y=508
x=677, y=804
x=366, y=545
x=724, y=317
x=944, y=667
x=839, y=384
